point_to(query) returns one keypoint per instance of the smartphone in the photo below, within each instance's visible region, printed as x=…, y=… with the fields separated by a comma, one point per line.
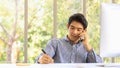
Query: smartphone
x=81, y=38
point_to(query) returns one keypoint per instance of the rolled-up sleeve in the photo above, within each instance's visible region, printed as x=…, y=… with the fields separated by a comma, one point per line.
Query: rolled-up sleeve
x=92, y=57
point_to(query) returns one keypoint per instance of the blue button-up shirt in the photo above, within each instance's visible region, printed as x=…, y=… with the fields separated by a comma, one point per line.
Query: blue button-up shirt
x=64, y=51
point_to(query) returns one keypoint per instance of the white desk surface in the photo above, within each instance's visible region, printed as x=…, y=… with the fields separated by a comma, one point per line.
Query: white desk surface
x=63, y=65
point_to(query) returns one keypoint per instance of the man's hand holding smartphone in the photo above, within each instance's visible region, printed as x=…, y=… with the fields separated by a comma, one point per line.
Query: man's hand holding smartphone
x=84, y=40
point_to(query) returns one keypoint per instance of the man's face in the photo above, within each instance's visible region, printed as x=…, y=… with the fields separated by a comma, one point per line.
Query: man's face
x=74, y=30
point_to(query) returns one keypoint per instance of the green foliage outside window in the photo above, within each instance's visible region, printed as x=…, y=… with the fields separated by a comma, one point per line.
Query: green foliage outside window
x=40, y=23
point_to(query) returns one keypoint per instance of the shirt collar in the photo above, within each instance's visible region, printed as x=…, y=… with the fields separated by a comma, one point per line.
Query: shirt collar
x=66, y=39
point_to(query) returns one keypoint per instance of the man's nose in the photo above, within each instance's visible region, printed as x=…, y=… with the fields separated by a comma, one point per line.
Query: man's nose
x=75, y=32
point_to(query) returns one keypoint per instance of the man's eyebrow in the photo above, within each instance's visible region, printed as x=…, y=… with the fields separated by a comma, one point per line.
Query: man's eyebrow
x=72, y=26
x=75, y=27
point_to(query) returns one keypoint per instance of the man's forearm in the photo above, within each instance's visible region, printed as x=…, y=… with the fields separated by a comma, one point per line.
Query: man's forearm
x=93, y=58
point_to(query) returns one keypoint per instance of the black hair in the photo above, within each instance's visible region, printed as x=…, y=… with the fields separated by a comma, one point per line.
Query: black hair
x=78, y=17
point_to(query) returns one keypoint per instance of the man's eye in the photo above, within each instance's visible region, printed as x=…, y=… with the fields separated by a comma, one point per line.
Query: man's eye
x=79, y=29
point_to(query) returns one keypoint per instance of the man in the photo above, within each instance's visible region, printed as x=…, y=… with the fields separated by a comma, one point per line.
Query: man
x=73, y=48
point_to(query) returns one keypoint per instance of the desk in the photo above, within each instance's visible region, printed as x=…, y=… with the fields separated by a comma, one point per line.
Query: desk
x=61, y=65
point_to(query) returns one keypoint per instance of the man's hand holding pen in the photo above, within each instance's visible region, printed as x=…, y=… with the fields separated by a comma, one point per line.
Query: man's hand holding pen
x=45, y=59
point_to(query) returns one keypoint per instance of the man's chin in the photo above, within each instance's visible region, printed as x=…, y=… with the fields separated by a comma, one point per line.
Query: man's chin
x=75, y=39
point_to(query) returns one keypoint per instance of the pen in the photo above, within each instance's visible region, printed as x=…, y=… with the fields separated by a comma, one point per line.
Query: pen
x=43, y=51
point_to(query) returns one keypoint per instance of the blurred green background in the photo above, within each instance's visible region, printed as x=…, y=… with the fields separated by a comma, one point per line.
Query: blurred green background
x=40, y=25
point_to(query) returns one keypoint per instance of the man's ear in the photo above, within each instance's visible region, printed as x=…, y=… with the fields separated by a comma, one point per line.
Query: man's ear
x=85, y=30
x=67, y=26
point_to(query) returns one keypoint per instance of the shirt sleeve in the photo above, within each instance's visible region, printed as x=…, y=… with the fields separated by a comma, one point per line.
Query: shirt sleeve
x=92, y=57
